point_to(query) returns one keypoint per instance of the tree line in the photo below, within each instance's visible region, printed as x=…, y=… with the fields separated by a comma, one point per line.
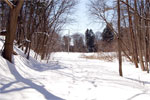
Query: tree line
x=34, y=24
x=38, y=25
x=89, y=41
x=129, y=20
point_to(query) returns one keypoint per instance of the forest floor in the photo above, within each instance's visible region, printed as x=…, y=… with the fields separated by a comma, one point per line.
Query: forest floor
x=70, y=76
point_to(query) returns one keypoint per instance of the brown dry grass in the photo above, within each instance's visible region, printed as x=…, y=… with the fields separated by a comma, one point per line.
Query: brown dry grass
x=101, y=56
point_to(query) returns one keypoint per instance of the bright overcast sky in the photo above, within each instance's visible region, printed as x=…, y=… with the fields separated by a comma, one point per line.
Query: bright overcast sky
x=83, y=20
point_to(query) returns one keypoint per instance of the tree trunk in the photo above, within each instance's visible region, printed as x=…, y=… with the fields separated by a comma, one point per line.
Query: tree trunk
x=119, y=42
x=133, y=41
x=11, y=30
x=138, y=33
x=147, y=39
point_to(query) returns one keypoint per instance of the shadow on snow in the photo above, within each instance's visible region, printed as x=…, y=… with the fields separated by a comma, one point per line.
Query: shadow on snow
x=38, y=66
x=29, y=83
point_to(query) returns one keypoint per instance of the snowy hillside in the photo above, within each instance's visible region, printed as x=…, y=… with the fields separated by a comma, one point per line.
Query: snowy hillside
x=70, y=77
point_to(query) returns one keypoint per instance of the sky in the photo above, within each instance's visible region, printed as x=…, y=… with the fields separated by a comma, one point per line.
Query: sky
x=83, y=20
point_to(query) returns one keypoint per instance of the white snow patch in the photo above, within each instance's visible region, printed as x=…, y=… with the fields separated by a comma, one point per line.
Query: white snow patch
x=70, y=77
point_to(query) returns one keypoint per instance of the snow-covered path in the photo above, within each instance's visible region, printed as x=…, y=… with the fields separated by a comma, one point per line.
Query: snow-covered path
x=99, y=80
x=70, y=77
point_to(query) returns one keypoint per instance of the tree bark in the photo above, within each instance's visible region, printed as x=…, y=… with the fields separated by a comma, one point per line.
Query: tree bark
x=133, y=41
x=147, y=38
x=138, y=33
x=11, y=30
x=119, y=42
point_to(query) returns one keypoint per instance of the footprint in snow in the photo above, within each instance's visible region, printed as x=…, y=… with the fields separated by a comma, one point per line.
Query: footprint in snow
x=93, y=82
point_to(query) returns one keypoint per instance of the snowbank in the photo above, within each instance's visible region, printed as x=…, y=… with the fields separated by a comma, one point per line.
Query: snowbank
x=70, y=77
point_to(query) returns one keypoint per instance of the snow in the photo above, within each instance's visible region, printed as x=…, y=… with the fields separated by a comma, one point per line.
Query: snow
x=45, y=33
x=68, y=76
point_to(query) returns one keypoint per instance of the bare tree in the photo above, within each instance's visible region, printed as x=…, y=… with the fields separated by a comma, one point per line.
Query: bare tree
x=119, y=43
x=78, y=43
x=133, y=17
x=12, y=27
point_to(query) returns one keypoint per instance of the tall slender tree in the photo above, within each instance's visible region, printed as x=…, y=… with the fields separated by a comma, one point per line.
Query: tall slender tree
x=119, y=43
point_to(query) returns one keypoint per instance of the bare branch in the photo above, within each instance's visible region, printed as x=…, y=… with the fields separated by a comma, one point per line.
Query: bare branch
x=9, y=3
x=147, y=19
x=19, y=5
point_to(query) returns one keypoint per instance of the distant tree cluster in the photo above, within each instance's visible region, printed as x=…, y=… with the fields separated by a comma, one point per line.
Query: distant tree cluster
x=107, y=34
x=108, y=42
x=78, y=43
x=73, y=43
x=90, y=40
